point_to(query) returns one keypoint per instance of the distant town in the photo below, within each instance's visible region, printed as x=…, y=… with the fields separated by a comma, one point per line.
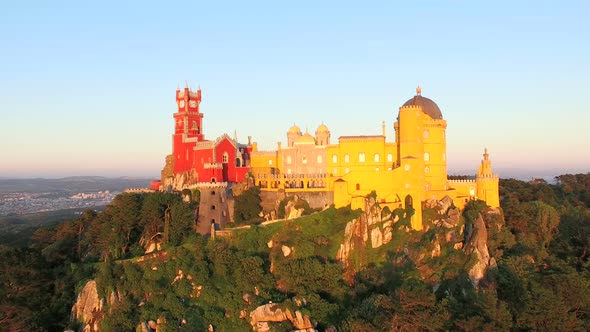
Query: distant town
x=25, y=203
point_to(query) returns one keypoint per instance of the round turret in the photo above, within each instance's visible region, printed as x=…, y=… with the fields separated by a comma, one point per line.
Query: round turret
x=294, y=130
x=322, y=135
x=293, y=134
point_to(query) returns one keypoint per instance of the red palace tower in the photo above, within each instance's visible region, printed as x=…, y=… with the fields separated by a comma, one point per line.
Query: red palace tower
x=197, y=159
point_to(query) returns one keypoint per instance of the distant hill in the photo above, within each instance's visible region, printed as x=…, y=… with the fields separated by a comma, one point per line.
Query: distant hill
x=73, y=184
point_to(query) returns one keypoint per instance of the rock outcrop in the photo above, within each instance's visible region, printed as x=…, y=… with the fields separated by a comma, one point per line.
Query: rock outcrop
x=88, y=307
x=369, y=226
x=272, y=312
x=476, y=242
x=291, y=210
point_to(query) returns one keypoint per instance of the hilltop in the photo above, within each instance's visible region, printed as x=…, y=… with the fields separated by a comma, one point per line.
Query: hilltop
x=140, y=264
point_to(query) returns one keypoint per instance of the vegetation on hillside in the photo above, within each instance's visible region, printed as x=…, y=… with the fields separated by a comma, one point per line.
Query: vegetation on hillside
x=539, y=242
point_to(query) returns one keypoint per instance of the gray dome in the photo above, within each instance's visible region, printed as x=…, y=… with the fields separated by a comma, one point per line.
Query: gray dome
x=428, y=106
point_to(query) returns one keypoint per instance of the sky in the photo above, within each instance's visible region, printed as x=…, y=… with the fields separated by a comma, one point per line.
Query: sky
x=88, y=87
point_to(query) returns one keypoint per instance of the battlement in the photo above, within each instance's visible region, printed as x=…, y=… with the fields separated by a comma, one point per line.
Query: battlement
x=138, y=190
x=488, y=177
x=461, y=181
x=213, y=165
x=208, y=185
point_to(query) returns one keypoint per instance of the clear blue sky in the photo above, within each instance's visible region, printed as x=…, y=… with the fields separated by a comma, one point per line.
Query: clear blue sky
x=87, y=87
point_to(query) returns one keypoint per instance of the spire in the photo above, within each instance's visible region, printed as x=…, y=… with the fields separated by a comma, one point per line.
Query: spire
x=418, y=91
x=485, y=154
x=383, y=127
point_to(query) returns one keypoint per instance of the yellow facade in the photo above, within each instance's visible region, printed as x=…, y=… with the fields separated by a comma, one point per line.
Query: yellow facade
x=403, y=173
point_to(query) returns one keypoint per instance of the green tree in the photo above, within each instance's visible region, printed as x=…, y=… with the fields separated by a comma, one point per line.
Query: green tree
x=247, y=206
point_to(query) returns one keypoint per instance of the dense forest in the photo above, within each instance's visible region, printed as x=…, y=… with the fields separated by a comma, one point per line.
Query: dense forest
x=539, y=243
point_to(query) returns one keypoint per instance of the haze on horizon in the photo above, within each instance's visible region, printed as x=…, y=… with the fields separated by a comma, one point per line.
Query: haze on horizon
x=88, y=88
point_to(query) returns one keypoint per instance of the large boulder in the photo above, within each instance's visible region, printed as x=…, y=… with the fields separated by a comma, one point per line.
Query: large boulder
x=261, y=316
x=267, y=313
x=444, y=204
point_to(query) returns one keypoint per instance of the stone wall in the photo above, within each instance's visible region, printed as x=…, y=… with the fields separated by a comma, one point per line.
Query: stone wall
x=316, y=199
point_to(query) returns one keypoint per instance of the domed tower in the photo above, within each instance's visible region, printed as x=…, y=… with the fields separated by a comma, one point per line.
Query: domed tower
x=322, y=135
x=421, y=133
x=292, y=135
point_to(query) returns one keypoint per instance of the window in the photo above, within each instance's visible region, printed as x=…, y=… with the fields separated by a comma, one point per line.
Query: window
x=335, y=171
x=270, y=162
x=426, y=169
x=212, y=207
x=289, y=160
x=407, y=167
x=426, y=156
x=361, y=157
x=346, y=158
x=225, y=157
x=426, y=134
x=407, y=186
x=427, y=186
x=376, y=169
x=346, y=171
x=212, y=192
x=376, y=157
x=358, y=186
x=319, y=159
x=334, y=158
x=304, y=160
x=289, y=171
x=389, y=158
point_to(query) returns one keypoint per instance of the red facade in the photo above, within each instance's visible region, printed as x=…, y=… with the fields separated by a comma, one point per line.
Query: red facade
x=221, y=160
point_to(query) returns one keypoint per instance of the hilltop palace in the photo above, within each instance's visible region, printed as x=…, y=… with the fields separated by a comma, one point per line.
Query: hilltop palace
x=403, y=173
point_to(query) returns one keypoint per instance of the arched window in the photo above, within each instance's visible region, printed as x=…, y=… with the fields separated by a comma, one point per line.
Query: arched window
x=426, y=156
x=346, y=158
x=426, y=134
x=225, y=157
x=289, y=160
x=426, y=169
x=376, y=157
x=346, y=170
x=319, y=159
x=409, y=201
x=304, y=160
x=361, y=157
x=427, y=186
x=358, y=186
x=270, y=162
x=389, y=158
x=407, y=167
x=335, y=171
x=334, y=158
